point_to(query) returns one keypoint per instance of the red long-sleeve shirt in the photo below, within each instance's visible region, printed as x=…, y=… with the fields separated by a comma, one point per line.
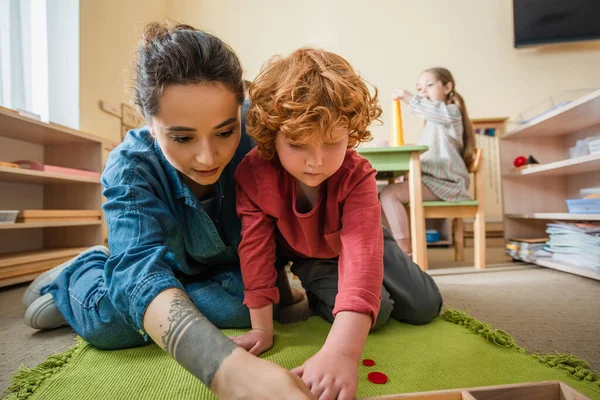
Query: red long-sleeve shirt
x=345, y=222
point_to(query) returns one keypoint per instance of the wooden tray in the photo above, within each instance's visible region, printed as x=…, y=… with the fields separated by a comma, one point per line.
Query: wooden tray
x=36, y=166
x=26, y=266
x=26, y=257
x=550, y=390
x=8, y=164
x=58, y=215
x=31, y=268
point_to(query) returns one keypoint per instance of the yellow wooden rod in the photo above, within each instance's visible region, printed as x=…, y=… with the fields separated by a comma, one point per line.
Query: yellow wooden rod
x=397, y=131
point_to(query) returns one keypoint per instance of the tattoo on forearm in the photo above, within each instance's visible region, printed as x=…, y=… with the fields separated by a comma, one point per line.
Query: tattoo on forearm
x=193, y=341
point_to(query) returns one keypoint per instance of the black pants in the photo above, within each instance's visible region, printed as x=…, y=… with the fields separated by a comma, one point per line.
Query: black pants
x=407, y=295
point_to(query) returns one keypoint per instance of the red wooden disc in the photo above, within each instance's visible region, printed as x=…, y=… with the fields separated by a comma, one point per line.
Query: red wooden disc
x=377, y=377
x=368, y=362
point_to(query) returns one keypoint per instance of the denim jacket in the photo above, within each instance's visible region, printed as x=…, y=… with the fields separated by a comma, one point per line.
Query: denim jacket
x=158, y=228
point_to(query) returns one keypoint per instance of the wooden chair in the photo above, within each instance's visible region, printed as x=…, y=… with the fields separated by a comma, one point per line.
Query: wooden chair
x=465, y=209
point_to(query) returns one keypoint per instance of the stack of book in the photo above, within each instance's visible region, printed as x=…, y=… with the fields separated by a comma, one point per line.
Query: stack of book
x=528, y=250
x=575, y=244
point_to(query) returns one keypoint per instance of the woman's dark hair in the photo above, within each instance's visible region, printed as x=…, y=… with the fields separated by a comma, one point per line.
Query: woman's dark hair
x=181, y=55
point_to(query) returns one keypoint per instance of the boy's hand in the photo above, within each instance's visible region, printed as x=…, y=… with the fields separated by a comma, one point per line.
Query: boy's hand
x=255, y=341
x=330, y=375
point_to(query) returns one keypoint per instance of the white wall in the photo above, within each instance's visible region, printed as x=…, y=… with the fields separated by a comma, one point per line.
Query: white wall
x=391, y=41
x=109, y=33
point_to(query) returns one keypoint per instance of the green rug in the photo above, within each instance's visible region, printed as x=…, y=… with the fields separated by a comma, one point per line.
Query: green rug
x=454, y=351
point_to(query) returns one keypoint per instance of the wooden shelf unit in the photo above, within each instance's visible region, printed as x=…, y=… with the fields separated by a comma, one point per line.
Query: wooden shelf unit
x=22, y=138
x=534, y=196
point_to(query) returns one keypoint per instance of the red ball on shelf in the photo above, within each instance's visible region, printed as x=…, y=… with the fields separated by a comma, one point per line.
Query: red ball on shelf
x=520, y=161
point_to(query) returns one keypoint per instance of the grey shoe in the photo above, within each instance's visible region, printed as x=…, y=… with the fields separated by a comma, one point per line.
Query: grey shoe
x=43, y=314
x=32, y=293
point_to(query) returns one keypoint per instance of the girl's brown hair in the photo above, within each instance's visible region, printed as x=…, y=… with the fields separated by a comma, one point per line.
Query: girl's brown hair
x=305, y=96
x=445, y=76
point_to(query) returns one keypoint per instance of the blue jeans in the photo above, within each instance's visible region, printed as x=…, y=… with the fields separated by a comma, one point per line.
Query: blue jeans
x=81, y=296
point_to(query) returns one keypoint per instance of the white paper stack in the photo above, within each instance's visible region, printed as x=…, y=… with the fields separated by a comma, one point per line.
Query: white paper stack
x=575, y=244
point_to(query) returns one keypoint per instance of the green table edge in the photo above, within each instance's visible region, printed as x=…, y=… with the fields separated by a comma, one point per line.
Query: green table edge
x=401, y=149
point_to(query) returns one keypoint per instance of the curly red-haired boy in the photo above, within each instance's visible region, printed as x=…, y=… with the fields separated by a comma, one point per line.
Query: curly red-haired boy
x=305, y=195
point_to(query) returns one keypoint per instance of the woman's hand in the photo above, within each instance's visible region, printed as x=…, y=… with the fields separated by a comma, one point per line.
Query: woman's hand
x=255, y=341
x=242, y=376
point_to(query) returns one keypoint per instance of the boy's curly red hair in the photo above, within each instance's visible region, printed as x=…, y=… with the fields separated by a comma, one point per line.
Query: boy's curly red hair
x=305, y=96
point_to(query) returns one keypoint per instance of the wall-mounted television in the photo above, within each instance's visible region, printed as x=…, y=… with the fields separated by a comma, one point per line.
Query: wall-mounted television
x=553, y=21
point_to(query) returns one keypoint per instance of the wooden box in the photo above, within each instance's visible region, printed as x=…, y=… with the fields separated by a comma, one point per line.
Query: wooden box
x=550, y=390
x=58, y=215
x=21, y=267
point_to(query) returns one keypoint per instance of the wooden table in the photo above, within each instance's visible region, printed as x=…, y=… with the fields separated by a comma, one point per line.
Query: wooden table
x=391, y=162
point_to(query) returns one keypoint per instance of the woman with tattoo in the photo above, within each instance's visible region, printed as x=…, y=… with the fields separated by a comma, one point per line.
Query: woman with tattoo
x=172, y=272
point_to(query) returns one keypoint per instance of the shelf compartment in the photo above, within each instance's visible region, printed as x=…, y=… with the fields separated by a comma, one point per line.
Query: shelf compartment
x=21, y=175
x=577, y=115
x=572, y=166
x=556, y=216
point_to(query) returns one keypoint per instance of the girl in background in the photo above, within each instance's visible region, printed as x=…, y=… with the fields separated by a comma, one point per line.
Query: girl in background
x=449, y=135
